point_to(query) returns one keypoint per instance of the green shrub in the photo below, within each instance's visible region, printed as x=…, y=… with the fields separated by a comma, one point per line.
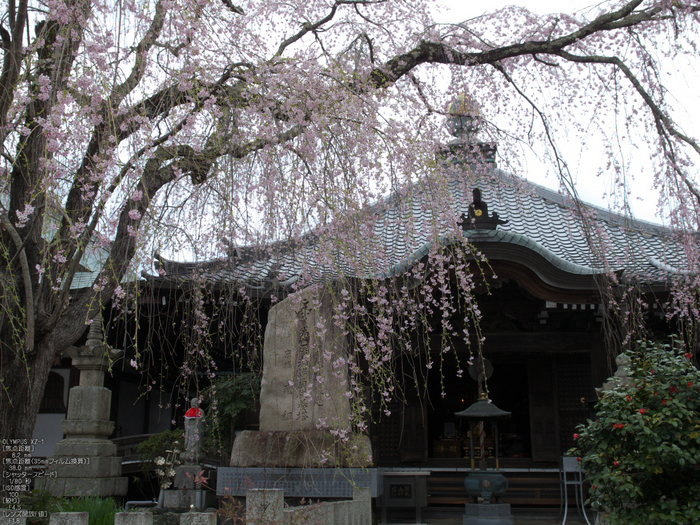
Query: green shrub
x=41, y=501
x=160, y=454
x=642, y=453
x=102, y=510
x=158, y=445
x=228, y=397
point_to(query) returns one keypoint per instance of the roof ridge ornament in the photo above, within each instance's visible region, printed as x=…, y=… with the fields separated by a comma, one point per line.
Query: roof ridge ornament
x=465, y=117
x=477, y=216
x=464, y=122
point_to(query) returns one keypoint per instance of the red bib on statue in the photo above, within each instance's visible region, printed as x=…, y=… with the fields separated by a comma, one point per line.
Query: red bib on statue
x=193, y=413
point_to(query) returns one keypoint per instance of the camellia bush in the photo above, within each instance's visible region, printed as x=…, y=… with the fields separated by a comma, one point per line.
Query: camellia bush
x=642, y=453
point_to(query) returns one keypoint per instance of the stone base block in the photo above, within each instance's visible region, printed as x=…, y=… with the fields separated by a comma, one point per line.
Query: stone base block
x=165, y=517
x=69, y=518
x=185, y=475
x=264, y=506
x=85, y=447
x=12, y=517
x=198, y=518
x=300, y=449
x=89, y=403
x=94, y=467
x=487, y=514
x=87, y=428
x=133, y=518
x=76, y=487
x=184, y=500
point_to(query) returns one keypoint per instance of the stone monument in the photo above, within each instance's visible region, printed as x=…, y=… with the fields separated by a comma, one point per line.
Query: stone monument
x=304, y=398
x=86, y=462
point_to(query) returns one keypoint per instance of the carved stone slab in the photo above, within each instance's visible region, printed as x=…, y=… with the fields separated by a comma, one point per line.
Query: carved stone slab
x=304, y=381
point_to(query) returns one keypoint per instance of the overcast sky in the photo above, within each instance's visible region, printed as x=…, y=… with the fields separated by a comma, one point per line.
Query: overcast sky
x=465, y=9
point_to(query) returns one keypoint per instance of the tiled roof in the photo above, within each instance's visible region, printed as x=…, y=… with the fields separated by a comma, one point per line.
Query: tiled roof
x=543, y=221
x=540, y=222
x=91, y=265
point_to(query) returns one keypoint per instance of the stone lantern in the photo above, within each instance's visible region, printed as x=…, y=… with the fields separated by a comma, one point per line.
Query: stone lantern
x=86, y=462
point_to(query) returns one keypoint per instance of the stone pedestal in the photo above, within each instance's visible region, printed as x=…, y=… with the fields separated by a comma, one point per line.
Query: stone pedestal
x=133, y=518
x=184, y=500
x=487, y=514
x=300, y=449
x=305, y=396
x=264, y=506
x=69, y=518
x=86, y=462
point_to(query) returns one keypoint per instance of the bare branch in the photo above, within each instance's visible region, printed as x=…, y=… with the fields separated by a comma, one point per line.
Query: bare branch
x=562, y=166
x=315, y=26
x=545, y=62
x=662, y=120
x=306, y=29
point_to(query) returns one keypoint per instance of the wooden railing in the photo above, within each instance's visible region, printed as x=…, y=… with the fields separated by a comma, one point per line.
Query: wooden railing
x=126, y=449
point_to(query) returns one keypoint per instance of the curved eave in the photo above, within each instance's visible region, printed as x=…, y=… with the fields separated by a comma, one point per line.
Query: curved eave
x=545, y=274
x=669, y=268
x=553, y=275
x=517, y=239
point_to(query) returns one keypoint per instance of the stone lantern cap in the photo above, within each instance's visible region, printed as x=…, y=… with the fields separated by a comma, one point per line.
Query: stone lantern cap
x=483, y=410
x=95, y=355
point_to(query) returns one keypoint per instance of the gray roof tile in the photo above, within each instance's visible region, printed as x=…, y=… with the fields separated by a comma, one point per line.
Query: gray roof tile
x=539, y=220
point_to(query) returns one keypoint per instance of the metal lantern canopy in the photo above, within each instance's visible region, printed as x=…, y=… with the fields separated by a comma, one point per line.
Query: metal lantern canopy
x=483, y=410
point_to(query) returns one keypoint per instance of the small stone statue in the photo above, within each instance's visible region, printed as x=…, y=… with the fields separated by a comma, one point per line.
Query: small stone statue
x=194, y=434
x=620, y=378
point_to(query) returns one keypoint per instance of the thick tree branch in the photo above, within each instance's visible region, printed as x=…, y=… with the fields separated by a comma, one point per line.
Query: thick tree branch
x=12, y=60
x=440, y=53
x=165, y=166
x=652, y=15
x=159, y=104
x=81, y=207
x=26, y=280
x=142, y=49
x=55, y=58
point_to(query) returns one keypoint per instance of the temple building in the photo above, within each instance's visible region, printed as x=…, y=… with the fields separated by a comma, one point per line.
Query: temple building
x=545, y=268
